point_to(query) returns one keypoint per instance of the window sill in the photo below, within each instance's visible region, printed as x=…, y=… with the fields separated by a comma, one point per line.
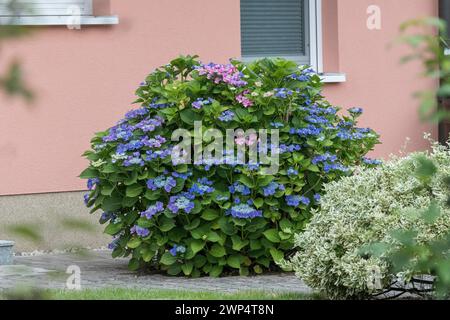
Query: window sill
x=58, y=20
x=333, y=77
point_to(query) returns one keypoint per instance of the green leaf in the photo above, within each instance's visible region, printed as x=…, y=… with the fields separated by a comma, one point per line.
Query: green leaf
x=112, y=203
x=216, y=271
x=166, y=224
x=152, y=195
x=168, y=259
x=213, y=237
x=187, y=268
x=210, y=214
x=113, y=228
x=247, y=181
x=197, y=246
x=132, y=179
x=147, y=254
x=217, y=251
x=89, y=173
x=244, y=272
x=234, y=261
x=276, y=254
x=238, y=243
x=265, y=180
x=174, y=270
x=106, y=189
x=191, y=226
x=286, y=226
x=255, y=244
x=133, y=264
x=189, y=116
x=134, y=190
x=226, y=227
x=134, y=243
x=258, y=202
x=258, y=269
x=272, y=235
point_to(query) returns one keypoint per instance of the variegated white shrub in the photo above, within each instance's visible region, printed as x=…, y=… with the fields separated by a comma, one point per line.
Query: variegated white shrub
x=366, y=208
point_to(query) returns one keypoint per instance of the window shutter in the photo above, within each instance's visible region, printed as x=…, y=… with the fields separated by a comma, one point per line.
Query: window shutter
x=16, y=8
x=274, y=29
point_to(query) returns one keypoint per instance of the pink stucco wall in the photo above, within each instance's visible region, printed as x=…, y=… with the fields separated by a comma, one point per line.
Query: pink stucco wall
x=85, y=79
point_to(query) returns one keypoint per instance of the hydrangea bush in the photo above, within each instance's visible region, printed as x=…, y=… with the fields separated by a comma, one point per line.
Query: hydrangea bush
x=336, y=252
x=213, y=217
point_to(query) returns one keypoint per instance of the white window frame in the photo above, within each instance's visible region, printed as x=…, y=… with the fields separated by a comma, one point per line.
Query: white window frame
x=87, y=18
x=314, y=43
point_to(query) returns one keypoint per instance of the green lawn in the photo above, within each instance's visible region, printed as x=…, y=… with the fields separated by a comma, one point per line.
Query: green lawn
x=154, y=294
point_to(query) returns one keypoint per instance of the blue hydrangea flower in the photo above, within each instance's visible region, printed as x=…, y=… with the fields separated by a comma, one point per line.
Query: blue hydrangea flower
x=277, y=125
x=317, y=198
x=106, y=216
x=202, y=187
x=355, y=111
x=327, y=157
x=134, y=160
x=91, y=183
x=317, y=119
x=149, y=124
x=155, y=105
x=119, y=132
x=183, y=176
x=272, y=188
x=152, y=210
x=296, y=200
x=222, y=197
x=114, y=243
x=162, y=182
x=226, y=116
x=289, y=148
x=177, y=249
x=136, y=113
x=310, y=130
x=327, y=167
x=292, y=172
x=238, y=187
x=158, y=154
x=283, y=93
x=182, y=202
x=141, y=232
x=86, y=198
x=200, y=102
x=372, y=162
x=244, y=211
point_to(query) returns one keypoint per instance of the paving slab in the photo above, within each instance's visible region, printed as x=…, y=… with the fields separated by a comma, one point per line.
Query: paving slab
x=98, y=270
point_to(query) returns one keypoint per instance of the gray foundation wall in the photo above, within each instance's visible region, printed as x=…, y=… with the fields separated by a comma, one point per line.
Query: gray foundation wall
x=60, y=219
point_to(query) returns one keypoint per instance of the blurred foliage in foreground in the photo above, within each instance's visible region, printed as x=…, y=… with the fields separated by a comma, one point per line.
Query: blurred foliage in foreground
x=429, y=262
x=11, y=79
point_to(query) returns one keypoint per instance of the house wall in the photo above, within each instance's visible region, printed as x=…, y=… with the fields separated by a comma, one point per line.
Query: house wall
x=84, y=82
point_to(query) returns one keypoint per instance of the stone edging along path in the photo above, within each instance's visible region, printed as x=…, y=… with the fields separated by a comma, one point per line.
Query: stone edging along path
x=99, y=270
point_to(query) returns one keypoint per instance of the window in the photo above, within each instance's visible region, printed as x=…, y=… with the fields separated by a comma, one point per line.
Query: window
x=50, y=12
x=282, y=28
x=44, y=7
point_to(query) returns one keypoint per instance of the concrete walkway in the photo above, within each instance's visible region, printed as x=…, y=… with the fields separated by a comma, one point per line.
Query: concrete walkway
x=99, y=270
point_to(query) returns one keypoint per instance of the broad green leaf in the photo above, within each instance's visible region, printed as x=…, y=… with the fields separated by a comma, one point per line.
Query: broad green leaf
x=197, y=245
x=168, y=259
x=272, y=235
x=134, y=243
x=134, y=190
x=210, y=214
x=234, y=261
x=276, y=254
x=187, y=268
x=217, y=251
